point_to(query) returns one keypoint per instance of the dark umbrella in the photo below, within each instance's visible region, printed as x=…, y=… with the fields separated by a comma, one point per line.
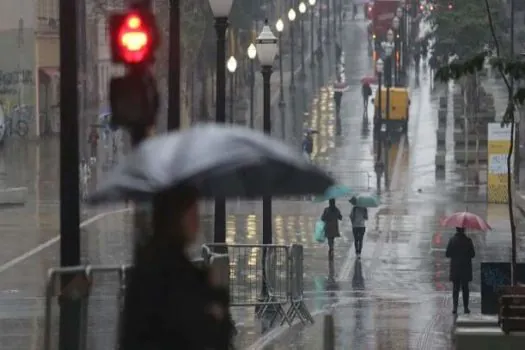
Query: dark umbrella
x=219, y=161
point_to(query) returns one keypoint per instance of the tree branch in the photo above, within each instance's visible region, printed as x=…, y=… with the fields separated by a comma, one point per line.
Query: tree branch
x=496, y=44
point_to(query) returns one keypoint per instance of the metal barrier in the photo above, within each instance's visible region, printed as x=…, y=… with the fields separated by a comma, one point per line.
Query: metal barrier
x=100, y=291
x=361, y=180
x=268, y=277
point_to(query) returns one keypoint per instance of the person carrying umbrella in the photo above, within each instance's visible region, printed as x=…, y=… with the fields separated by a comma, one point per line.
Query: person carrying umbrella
x=170, y=303
x=460, y=250
x=358, y=217
x=331, y=217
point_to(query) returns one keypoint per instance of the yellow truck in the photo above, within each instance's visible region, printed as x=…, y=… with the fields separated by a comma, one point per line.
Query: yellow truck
x=396, y=116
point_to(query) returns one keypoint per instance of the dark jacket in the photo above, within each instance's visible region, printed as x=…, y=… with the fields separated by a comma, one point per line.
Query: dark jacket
x=366, y=90
x=331, y=217
x=460, y=250
x=169, y=304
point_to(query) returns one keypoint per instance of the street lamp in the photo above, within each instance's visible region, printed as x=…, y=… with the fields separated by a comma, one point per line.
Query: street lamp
x=395, y=24
x=328, y=21
x=267, y=49
x=252, y=53
x=280, y=27
x=221, y=10
x=232, y=67
x=378, y=122
x=291, y=17
x=320, y=32
x=312, y=5
x=302, y=11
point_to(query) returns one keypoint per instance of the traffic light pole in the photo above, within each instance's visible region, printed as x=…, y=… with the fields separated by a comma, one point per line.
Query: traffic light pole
x=221, y=24
x=174, y=67
x=69, y=326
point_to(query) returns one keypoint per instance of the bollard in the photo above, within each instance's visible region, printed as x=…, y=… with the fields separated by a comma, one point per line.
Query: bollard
x=329, y=332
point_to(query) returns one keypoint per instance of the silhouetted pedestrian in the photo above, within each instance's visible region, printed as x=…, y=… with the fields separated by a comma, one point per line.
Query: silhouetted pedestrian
x=460, y=250
x=171, y=303
x=331, y=217
x=358, y=216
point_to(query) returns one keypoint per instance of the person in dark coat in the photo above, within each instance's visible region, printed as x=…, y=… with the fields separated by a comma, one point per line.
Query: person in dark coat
x=460, y=250
x=170, y=303
x=366, y=91
x=331, y=217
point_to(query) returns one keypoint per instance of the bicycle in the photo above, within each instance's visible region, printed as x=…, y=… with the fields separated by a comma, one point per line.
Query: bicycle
x=20, y=127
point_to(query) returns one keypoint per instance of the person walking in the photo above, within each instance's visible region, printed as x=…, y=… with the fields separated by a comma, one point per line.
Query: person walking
x=331, y=217
x=358, y=217
x=460, y=250
x=366, y=91
x=170, y=302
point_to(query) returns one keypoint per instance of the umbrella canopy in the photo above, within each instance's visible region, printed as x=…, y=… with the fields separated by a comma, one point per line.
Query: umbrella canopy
x=334, y=192
x=369, y=80
x=340, y=86
x=219, y=161
x=365, y=200
x=465, y=220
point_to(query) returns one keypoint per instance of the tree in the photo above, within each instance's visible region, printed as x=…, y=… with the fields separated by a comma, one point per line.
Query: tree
x=463, y=29
x=511, y=69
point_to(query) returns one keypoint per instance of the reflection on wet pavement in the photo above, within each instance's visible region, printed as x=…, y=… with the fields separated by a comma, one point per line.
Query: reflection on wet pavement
x=396, y=297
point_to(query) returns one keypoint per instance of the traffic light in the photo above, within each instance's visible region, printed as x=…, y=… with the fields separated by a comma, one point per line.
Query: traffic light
x=450, y=6
x=134, y=37
x=134, y=100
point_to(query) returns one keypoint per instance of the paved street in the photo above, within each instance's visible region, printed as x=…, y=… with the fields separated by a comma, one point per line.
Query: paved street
x=396, y=297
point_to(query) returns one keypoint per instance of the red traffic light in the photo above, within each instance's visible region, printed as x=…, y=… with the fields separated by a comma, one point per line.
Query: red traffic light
x=134, y=37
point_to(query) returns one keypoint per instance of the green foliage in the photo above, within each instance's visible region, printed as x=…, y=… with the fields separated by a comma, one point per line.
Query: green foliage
x=465, y=30
x=509, y=68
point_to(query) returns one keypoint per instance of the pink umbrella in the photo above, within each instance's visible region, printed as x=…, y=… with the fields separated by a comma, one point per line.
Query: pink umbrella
x=340, y=86
x=465, y=220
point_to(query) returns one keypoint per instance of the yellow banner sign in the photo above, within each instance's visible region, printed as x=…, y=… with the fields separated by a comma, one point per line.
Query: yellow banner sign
x=498, y=148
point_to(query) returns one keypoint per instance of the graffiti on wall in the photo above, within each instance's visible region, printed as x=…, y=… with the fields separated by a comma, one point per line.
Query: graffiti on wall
x=12, y=81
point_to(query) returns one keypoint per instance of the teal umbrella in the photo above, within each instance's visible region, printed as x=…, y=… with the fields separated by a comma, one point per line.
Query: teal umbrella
x=334, y=192
x=366, y=200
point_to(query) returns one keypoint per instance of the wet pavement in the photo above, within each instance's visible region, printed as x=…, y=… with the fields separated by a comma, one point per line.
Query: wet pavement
x=395, y=297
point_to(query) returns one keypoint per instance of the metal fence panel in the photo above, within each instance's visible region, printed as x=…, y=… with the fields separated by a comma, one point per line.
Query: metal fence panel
x=361, y=180
x=247, y=263
x=100, y=290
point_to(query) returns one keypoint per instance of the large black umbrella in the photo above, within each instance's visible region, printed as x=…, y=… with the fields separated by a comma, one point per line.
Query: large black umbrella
x=219, y=161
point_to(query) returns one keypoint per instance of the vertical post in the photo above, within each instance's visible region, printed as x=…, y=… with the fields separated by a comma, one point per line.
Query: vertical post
x=301, y=23
x=320, y=29
x=328, y=40
x=69, y=331
x=281, y=73
x=252, y=92
x=174, y=67
x=396, y=53
x=220, y=117
x=329, y=332
x=517, y=152
x=232, y=81
x=312, y=51
x=82, y=53
x=292, y=61
x=334, y=22
x=267, y=200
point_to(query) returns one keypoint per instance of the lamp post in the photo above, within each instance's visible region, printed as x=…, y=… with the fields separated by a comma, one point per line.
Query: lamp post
x=400, y=14
x=395, y=26
x=378, y=122
x=267, y=48
x=312, y=52
x=232, y=67
x=252, y=52
x=279, y=25
x=320, y=32
x=388, y=48
x=328, y=21
x=221, y=11
x=291, y=17
x=302, y=11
